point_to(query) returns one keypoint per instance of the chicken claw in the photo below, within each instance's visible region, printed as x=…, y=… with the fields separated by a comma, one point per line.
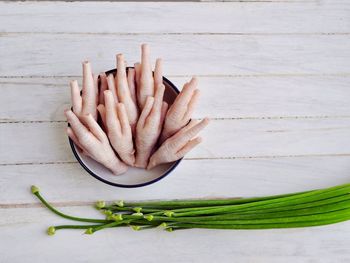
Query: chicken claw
x=158, y=73
x=180, y=112
x=137, y=67
x=119, y=130
x=144, y=73
x=103, y=87
x=123, y=91
x=87, y=102
x=131, y=83
x=149, y=126
x=93, y=142
x=179, y=144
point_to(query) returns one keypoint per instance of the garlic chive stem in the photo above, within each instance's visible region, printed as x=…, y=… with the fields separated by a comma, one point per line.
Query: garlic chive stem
x=116, y=208
x=312, y=208
x=74, y=226
x=197, y=203
x=266, y=219
x=147, y=227
x=264, y=226
x=299, y=212
x=323, y=212
x=283, y=208
x=298, y=206
x=202, y=202
x=109, y=225
x=296, y=199
x=133, y=216
x=43, y=201
x=126, y=222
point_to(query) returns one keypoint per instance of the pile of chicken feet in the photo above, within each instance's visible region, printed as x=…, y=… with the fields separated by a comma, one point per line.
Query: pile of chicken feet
x=138, y=128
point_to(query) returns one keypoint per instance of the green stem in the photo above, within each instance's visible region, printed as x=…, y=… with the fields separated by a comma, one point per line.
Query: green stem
x=311, y=208
x=115, y=208
x=43, y=201
x=320, y=210
x=262, y=226
x=283, y=214
x=135, y=221
x=109, y=225
x=74, y=226
x=161, y=205
x=303, y=218
x=259, y=209
x=248, y=204
x=295, y=207
x=278, y=202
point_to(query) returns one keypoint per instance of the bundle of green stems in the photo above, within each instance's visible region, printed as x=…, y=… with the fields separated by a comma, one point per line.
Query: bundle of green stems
x=302, y=209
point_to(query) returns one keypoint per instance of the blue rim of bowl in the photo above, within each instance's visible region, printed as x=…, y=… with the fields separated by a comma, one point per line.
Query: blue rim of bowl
x=167, y=172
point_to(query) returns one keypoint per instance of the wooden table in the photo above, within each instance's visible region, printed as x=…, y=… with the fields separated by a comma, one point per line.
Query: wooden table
x=275, y=80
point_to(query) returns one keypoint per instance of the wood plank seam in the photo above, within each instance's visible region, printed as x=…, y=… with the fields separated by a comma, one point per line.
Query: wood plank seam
x=159, y=1
x=257, y=75
x=174, y=33
x=203, y=158
x=4, y=121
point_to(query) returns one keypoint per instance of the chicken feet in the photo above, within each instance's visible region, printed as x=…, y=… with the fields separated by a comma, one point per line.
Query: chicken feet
x=179, y=144
x=93, y=142
x=119, y=129
x=87, y=102
x=180, y=112
x=150, y=126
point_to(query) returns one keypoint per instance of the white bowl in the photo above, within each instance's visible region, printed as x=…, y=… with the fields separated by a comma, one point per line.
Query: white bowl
x=134, y=177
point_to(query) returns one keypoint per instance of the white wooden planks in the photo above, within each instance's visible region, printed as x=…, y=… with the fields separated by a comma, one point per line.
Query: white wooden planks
x=221, y=97
x=68, y=184
x=47, y=142
x=274, y=75
x=267, y=17
x=60, y=55
x=24, y=229
x=312, y=95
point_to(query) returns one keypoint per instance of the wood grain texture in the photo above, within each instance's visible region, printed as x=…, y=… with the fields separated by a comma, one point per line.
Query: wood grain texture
x=274, y=75
x=288, y=245
x=47, y=142
x=163, y=18
x=319, y=244
x=69, y=184
x=52, y=55
x=242, y=97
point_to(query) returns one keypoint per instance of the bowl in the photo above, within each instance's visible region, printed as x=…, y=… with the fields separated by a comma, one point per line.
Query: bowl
x=134, y=177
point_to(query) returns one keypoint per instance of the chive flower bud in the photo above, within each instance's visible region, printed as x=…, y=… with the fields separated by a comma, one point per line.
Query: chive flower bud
x=137, y=209
x=100, y=204
x=34, y=189
x=168, y=213
x=51, y=231
x=136, y=228
x=137, y=214
x=89, y=231
x=163, y=225
x=108, y=212
x=117, y=217
x=110, y=218
x=119, y=203
x=148, y=217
